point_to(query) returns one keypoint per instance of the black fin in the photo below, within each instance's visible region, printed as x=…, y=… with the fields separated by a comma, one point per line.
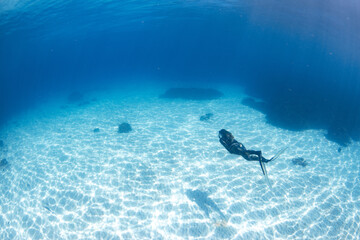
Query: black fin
x=278, y=154
x=263, y=168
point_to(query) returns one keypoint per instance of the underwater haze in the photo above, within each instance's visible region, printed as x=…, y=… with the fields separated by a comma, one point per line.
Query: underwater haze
x=300, y=58
x=110, y=113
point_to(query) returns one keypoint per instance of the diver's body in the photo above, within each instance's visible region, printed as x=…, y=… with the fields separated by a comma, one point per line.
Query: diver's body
x=234, y=147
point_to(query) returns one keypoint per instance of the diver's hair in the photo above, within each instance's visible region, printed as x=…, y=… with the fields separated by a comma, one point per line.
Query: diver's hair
x=227, y=133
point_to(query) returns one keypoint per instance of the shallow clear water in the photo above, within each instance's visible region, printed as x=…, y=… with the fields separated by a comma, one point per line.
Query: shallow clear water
x=64, y=181
x=67, y=173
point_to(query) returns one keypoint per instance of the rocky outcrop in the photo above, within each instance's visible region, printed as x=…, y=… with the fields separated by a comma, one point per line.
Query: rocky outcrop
x=124, y=128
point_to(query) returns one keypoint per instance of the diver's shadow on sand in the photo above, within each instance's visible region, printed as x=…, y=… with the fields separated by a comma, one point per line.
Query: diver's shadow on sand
x=206, y=204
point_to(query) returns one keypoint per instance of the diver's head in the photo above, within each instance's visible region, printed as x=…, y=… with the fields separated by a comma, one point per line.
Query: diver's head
x=225, y=134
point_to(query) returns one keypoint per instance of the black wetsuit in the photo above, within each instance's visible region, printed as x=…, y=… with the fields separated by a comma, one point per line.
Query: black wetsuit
x=234, y=147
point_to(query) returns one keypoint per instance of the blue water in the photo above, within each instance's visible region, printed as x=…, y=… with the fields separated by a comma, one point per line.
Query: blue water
x=301, y=58
x=296, y=63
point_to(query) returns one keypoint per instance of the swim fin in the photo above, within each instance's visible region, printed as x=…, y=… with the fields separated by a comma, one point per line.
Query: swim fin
x=263, y=168
x=278, y=154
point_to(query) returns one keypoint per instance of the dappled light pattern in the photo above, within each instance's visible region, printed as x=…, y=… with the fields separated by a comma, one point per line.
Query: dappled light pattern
x=162, y=179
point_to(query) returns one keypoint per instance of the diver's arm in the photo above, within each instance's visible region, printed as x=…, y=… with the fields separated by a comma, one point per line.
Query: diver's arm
x=226, y=146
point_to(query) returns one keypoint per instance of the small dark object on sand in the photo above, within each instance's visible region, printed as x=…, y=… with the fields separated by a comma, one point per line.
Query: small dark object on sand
x=192, y=93
x=339, y=149
x=124, y=128
x=96, y=130
x=75, y=97
x=1, y=143
x=206, y=117
x=299, y=161
x=3, y=162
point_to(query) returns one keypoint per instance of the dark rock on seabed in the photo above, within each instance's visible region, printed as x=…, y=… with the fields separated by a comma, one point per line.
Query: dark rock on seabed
x=299, y=161
x=302, y=114
x=192, y=93
x=124, y=128
x=206, y=117
x=3, y=162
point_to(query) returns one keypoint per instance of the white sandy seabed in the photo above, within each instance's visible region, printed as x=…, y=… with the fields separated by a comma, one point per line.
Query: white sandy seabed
x=63, y=181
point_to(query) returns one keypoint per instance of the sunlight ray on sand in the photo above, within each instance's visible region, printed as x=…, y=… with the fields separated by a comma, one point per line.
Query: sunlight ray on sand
x=65, y=181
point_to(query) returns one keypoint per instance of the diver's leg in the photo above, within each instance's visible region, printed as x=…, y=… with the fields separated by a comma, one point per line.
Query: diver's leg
x=256, y=156
x=253, y=155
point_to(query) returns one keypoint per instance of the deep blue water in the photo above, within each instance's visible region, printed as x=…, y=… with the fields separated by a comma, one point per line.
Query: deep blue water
x=301, y=58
